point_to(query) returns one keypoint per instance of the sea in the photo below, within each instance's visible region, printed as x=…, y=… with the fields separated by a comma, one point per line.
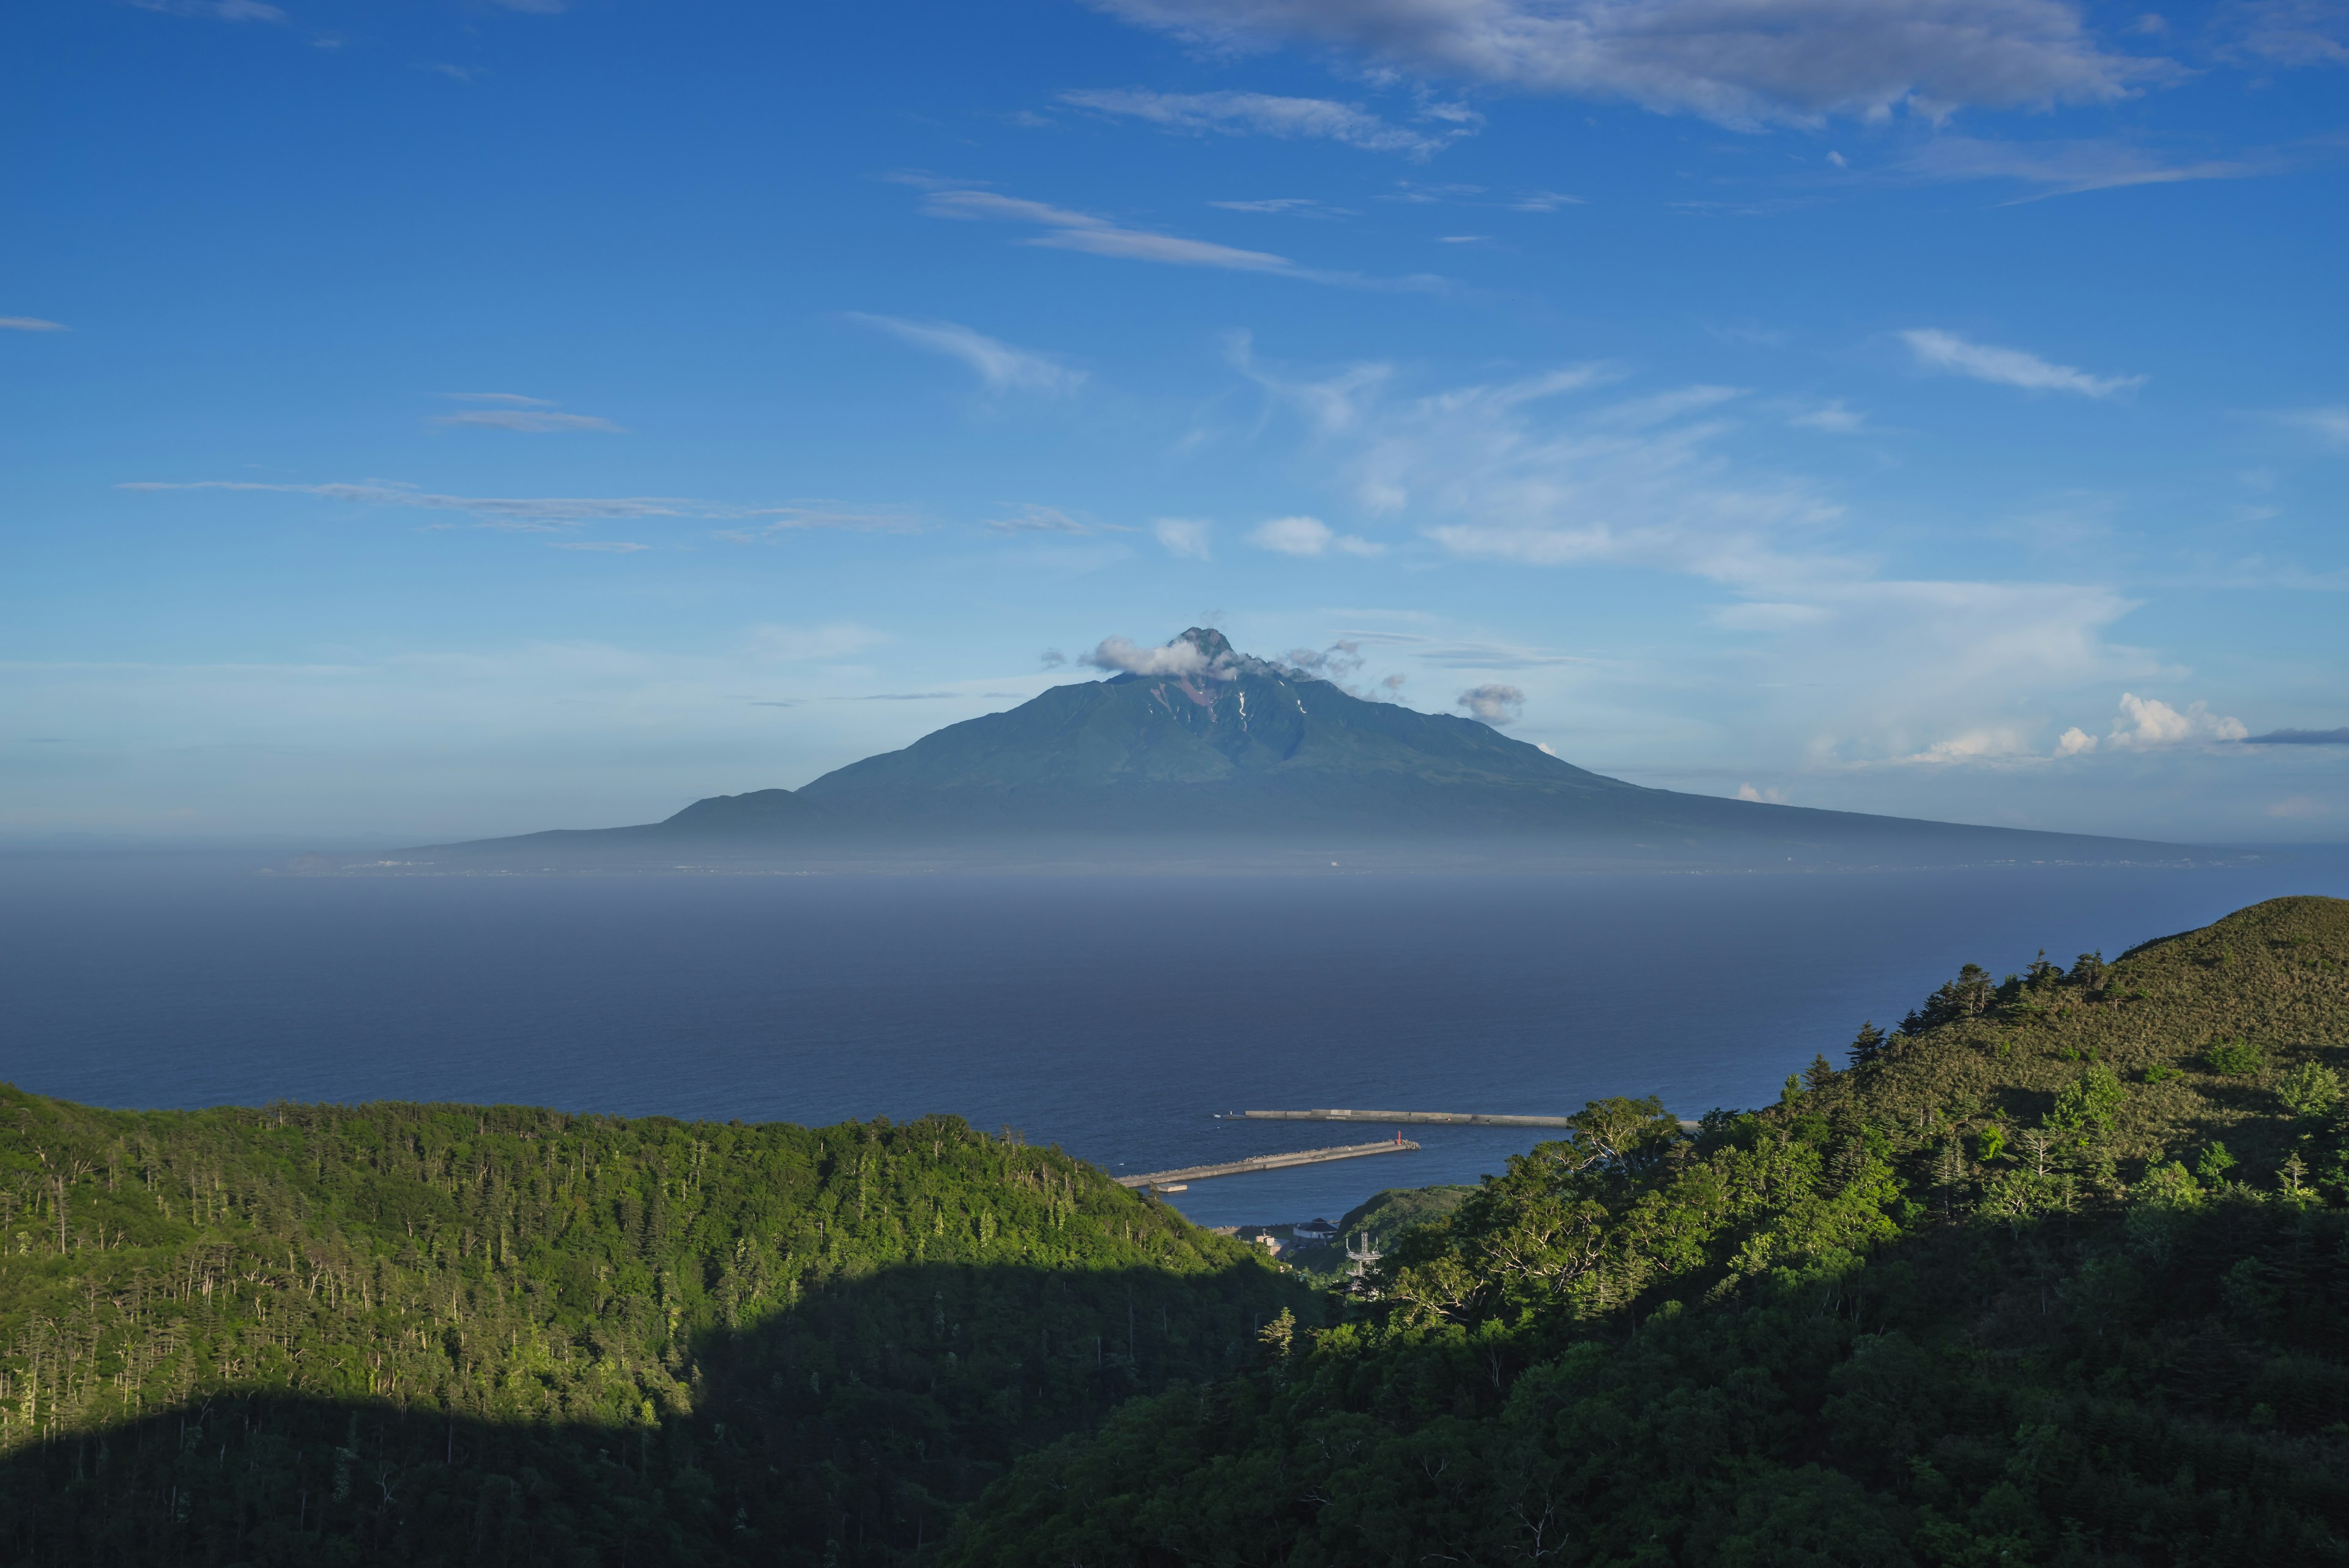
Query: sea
x=1121, y=1018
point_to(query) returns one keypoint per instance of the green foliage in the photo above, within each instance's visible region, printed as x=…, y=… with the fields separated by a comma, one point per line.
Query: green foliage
x=2090, y=1102
x=2235, y=1058
x=2311, y=1090
x=393, y=1333
x=2211, y=1169
x=1819, y=1333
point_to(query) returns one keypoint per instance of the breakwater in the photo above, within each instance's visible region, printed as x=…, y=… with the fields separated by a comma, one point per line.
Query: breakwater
x=1447, y=1118
x=1266, y=1162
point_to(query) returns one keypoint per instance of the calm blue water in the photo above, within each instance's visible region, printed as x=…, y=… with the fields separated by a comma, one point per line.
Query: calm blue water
x=1112, y=1016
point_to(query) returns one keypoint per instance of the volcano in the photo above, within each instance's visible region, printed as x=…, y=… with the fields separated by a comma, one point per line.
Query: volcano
x=1201, y=754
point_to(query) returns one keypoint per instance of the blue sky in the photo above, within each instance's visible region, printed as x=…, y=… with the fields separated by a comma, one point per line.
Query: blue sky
x=461, y=418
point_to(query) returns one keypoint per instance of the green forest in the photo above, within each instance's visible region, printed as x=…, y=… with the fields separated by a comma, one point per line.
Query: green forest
x=445, y=1333
x=2055, y=1270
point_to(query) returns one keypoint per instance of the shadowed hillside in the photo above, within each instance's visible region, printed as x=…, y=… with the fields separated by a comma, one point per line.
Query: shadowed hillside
x=2058, y=1272
x=432, y=1332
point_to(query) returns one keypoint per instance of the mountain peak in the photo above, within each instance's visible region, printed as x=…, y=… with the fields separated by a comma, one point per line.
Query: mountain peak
x=1212, y=644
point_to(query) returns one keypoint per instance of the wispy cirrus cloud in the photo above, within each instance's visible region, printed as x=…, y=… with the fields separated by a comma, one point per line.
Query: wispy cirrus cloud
x=1265, y=114
x=2068, y=168
x=1946, y=351
x=1295, y=206
x=215, y=10
x=1030, y=518
x=2288, y=32
x=999, y=365
x=513, y=411
x=2330, y=425
x=1451, y=653
x=552, y=513
x=1741, y=64
x=1565, y=471
x=31, y=324
x=1066, y=229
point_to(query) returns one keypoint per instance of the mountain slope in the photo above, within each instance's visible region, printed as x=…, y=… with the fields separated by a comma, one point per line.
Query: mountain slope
x=1205, y=744
x=402, y=1334
x=2057, y=1274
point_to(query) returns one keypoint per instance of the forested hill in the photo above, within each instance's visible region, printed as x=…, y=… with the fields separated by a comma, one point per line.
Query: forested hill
x=441, y=1334
x=2056, y=1273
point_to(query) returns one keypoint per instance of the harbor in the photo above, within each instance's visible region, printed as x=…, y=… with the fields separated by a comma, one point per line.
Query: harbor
x=1163, y=1180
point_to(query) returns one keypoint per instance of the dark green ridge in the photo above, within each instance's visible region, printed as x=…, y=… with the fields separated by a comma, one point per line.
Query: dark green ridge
x=416, y=1333
x=2056, y=1273
x=1256, y=759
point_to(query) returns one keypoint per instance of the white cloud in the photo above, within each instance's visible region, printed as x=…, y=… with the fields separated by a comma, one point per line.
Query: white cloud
x=1179, y=659
x=2066, y=167
x=1998, y=743
x=1494, y=704
x=529, y=421
x=1073, y=230
x=1263, y=114
x=1747, y=792
x=608, y=546
x=545, y=514
x=2293, y=32
x=1184, y=536
x=796, y=644
x=218, y=10
x=1562, y=470
x=1831, y=417
x=1065, y=228
x=31, y=324
x=1498, y=472
x=2331, y=425
x=1031, y=518
x=1308, y=537
x=513, y=411
x=998, y=364
x=1741, y=64
x=1303, y=206
x=1937, y=351
x=2074, y=741
x=2146, y=723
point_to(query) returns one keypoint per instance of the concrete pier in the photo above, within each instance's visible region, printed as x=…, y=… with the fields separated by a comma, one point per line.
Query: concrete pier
x=1409, y=1119
x=1162, y=1178
x=1447, y=1118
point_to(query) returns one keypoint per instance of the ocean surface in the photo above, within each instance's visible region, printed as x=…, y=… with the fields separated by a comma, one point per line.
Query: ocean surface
x=1115, y=1017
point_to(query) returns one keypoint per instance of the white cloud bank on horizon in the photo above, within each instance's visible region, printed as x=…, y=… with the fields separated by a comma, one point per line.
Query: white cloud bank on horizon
x=2148, y=723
